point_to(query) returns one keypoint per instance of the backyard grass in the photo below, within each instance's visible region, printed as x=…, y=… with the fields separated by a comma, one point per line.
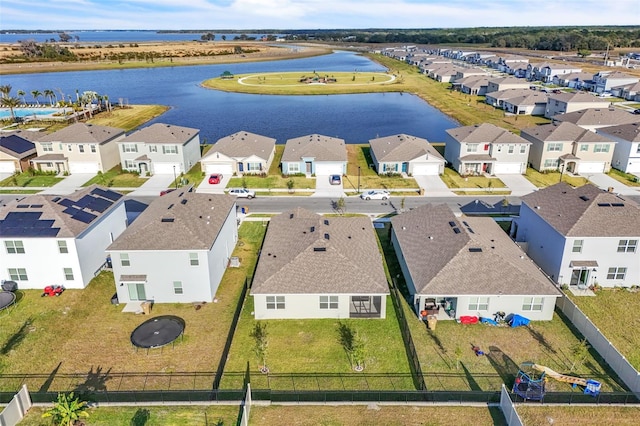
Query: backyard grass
x=81, y=332
x=453, y=180
x=27, y=180
x=626, y=178
x=359, y=155
x=548, y=178
x=128, y=118
x=614, y=312
x=536, y=414
x=118, y=178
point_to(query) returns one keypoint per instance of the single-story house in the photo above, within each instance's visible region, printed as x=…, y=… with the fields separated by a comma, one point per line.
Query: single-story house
x=240, y=153
x=314, y=155
x=16, y=153
x=406, y=154
x=312, y=266
x=563, y=103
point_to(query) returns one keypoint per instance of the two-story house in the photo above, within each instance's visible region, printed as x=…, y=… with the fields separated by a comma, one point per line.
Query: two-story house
x=563, y=103
x=569, y=148
x=160, y=149
x=79, y=148
x=47, y=239
x=604, y=81
x=595, y=118
x=581, y=236
x=505, y=83
x=626, y=154
x=486, y=148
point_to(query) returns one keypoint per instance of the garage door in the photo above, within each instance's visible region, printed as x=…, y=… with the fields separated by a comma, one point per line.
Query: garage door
x=507, y=168
x=83, y=167
x=166, y=168
x=225, y=169
x=430, y=169
x=595, y=167
x=7, y=167
x=325, y=169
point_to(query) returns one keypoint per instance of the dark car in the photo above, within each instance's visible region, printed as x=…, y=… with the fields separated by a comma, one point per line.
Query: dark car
x=215, y=178
x=335, y=180
x=636, y=111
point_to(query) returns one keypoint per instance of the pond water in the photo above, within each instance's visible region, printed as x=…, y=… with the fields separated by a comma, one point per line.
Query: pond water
x=354, y=118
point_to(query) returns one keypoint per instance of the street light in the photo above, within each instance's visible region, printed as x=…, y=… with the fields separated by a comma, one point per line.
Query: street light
x=358, y=179
x=561, y=170
x=175, y=178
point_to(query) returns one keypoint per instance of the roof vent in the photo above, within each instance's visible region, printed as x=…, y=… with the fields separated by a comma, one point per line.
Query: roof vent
x=170, y=205
x=290, y=215
x=167, y=219
x=319, y=249
x=475, y=249
x=456, y=230
x=326, y=237
x=313, y=229
x=584, y=198
x=184, y=201
x=326, y=221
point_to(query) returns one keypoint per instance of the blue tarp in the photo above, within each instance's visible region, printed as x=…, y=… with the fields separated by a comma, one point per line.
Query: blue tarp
x=517, y=320
x=488, y=321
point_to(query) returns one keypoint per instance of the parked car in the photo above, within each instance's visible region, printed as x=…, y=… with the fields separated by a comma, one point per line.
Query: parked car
x=335, y=180
x=376, y=194
x=636, y=111
x=215, y=178
x=242, y=193
x=166, y=191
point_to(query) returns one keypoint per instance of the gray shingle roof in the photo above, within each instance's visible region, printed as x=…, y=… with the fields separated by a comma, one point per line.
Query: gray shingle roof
x=576, y=97
x=585, y=211
x=83, y=133
x=322, y=148
x=162, y=133
x=564, y=131
x=348, y=262
x=243, y=144
x=191, y=222
x=402, y=148
x=485, y=133
x=481, y=259
x=627, y=132
x=598, y=116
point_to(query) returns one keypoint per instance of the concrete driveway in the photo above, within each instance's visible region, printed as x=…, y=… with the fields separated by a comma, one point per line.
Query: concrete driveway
x=154, y=185
x=433, y=186
x=518, y=184
x=605, y=182
x=207, y=188
x=325, y=189
x=69, y=184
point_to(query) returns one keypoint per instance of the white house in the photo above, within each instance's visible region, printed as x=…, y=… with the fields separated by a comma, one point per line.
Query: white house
x=486, y=148
x=50, y=239
x=160, y=149
x=315, y=154
x=240, y=153
x=595, y=118
x=457, y=266
x=563, y=103
x=312, y=266
x=177, y=250
x=626, y=154
x=406, y=154
x=581, y=236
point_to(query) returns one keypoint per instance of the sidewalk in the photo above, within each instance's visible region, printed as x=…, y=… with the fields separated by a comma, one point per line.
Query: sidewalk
x=605, y=182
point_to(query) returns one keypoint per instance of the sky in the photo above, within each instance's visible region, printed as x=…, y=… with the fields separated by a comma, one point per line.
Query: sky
x=309, y=14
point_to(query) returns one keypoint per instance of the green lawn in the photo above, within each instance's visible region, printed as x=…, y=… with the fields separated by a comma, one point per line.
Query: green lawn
x=614, y=312
x=453, y=180
x=626, y=178
x=128, y=118
x=548, y=178
x=359, y=156
x=118, y=178
x=544, y=414
x=193, y=177
x=27, y=180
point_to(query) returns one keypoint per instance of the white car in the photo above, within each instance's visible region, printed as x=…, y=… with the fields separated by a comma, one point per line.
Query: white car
x=242, y=193
x=376, y=194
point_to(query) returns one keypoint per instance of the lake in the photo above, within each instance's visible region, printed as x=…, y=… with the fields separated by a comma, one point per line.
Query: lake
x=354, y=118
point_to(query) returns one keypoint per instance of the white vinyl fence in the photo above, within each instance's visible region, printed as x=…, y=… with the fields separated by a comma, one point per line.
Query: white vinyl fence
x=508, y=409
x=14, y=412
x=601, y=344
x=246, y=407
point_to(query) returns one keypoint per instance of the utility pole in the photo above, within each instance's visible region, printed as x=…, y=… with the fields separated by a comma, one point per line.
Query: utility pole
x=358, y=179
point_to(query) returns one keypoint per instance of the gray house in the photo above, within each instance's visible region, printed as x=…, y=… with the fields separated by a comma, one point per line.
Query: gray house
x=406, y=154
x=319, y=267
x=315, y=155
x=457, y=266
x=177, y=250
x=240, y=153
x=626, y=154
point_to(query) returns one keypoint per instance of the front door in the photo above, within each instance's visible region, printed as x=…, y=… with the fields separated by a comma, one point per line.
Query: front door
x=405, y=167
x=241, y=167
x=308, y=167
x=580, y=277
x=136, y=291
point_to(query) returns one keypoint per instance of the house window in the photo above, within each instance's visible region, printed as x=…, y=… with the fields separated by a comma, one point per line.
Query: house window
x=177, y=287
x=551, y=163
x=68, y=274
x=294, y=168
x=616, y=273
x=47, y=147
x=472, y=147
x=386, y=167
x=153, y=148
x=62, y=247
x=511, y=148
x=627, y=246
x=601, y=147
x=81, y=148
x=93, y=148
x=18, y=274
x=584, y=147
x=69, y=147
x=275, y=302
x=254, y=167
x=523, y=149
x=169, y=149
x=533, y=304
x=478, y=303
x=554, y=147
x=124, y=259
x=129, y=147
x=328, y=302
x=577, y=246
x=14, y=247
x=129, y=164
x=638, y=149
x=193, y=259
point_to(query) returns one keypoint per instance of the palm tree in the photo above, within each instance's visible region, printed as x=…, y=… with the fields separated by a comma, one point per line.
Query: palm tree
x=36, y=94
x=22, y=93
x=5, y=90
x=107, y=103
x=49, y=94
x=11, y=103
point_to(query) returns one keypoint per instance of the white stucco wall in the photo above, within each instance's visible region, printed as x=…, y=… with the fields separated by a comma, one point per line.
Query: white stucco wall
x=307, y=306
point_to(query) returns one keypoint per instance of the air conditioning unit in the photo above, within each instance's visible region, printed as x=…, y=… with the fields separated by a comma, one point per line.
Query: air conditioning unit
x=234, y=262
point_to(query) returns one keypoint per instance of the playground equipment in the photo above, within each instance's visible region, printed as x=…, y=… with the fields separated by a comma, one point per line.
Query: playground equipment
x=531, y=385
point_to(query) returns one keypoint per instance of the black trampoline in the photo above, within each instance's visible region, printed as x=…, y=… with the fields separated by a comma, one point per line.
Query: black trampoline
x=157, y=332
x=7, y=299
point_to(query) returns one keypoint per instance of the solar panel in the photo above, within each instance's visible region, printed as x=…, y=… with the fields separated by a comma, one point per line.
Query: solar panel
x=99, y=204
x=42, y=224
x=36, y=206
x=23, y=206
x=456, y=230
x=66, y=202
x=28, y=232
x=84, y=201
x=452, y=224
x=617, y=204
x=110, y=195
x=71, y=211
x=22, y=217
x=84, y=217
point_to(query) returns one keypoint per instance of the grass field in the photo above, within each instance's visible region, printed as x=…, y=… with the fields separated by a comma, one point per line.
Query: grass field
x=535, y=415
x=453, y=180
x=118, y=178
x=542, y=180
x=128, y=118
x=359, y=156
x=626, y=178
x=27, y=180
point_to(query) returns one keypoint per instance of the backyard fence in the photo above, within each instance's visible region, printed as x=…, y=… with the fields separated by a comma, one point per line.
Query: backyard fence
x=508, y=409
x=15, y=410
x=618, y=363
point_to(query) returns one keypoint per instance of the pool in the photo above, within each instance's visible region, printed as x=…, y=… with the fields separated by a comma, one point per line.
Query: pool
x=5, y=113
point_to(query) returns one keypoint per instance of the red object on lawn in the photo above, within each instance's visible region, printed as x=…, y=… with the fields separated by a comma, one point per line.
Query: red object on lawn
x=465, y=319
x=53, y=290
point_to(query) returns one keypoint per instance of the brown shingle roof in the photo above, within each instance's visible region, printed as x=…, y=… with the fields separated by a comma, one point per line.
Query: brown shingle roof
x=627, y=132
x=83, y=133
x=319, y=147
x=298, y=258
x=586, y=211
x=480, y=259
x=485, y=133
x=243, y=144
x=598, y=116
x=576, y=97
x=402, y=148
x=179, y=220
x=162, y=133
x=564, y=131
